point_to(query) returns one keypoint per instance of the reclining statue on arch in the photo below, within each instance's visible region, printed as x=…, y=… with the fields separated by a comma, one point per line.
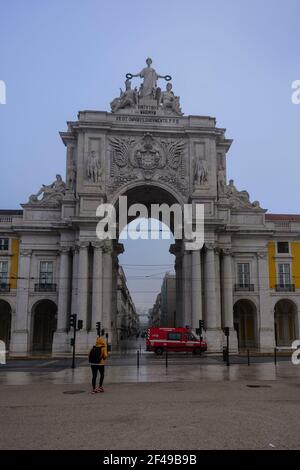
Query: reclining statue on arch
x=57, y=188
x=127, y=99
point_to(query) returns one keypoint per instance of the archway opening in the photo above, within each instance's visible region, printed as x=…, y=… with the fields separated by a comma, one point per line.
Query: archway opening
x=44, y=325
x=245, y=317
x=5, y=322
x=147, y=264
x=285, y=322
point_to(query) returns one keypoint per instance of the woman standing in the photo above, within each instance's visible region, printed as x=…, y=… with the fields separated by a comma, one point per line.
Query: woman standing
x=97, y=359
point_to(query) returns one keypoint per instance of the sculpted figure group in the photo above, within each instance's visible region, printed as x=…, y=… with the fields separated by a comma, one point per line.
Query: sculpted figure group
x=148, y=90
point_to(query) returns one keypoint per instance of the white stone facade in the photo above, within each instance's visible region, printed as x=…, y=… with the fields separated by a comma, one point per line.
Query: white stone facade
x=150, y=152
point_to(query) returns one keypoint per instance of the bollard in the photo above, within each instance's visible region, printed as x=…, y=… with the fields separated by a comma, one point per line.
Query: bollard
x=224, y=353
x=138, y=359
x=166, y=358
x=248, y=357
x=227, y=355
x=275, y=356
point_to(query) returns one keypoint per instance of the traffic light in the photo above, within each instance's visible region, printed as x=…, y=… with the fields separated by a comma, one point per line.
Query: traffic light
x=73, y=318
x=201, y=328
x=98, y=328
x=226, y=331
x=72, y=342
x=79, y=324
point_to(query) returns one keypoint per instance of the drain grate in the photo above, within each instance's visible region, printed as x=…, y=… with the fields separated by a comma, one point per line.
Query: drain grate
x=73, y=392
x=259, y=386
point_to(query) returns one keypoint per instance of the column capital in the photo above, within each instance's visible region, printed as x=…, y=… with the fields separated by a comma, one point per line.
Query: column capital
x=175, y=249
x=98, y=245
x=107, y=247
x=75, y=248
x=82, y=245
x=71, y=145
x=262, y=254
x=119, y=249
x=25, y=252
x=227, y=251
x=210, y=246
x=64, y=249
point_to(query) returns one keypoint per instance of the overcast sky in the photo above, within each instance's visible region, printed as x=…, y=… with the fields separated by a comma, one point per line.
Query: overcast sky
x=233, y=59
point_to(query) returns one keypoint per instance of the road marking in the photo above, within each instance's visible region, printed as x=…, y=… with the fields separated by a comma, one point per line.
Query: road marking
x=47, y=363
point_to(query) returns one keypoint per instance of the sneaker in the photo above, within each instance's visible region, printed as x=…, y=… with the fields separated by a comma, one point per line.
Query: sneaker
x=100, y=390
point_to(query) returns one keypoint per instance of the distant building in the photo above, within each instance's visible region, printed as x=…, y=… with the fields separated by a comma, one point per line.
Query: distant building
x=154, y=317
x=168, y=301
x=143, y=320
x=163, y=312
x=127, y=317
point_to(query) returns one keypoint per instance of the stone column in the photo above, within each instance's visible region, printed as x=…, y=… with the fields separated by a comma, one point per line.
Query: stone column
x=107, y=286
x=63, y=289
x=20, y=341
x=178, y=270
x=218, y=285
x=196, y=289
x=227, y=293
x=214, y=333
x=97, y=285
x=175, y=249
x=82, y=296
x=265, y=316
x=186, y=288
x=227, y=288
x=210, y=286
x=60, y=339
x=74, y=286
x=83, y=282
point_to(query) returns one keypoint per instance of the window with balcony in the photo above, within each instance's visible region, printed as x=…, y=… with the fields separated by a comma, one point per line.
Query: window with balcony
x=45, y=278
x=243, y=277
x=4, y=286
x=284, y=278
x=4, y=242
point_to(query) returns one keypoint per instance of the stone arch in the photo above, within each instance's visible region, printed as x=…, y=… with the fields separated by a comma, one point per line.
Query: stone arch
x=147, y=194
x=154, y=185
x=285, y=319
x=44, y=315
x=5, y=322
x=245, y=323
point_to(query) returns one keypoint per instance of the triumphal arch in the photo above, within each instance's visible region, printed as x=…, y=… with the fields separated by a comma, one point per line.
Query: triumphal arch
x=147, y=149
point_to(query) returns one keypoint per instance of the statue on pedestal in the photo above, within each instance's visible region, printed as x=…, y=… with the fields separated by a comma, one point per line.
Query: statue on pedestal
x=200, y=172
x=93, y=167
x=221, y=181
x=149, y=85
x=169, y=101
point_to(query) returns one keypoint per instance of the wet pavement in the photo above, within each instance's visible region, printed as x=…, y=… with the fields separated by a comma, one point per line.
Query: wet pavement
x=150, y=368
x=212, y=408
x=194, y=403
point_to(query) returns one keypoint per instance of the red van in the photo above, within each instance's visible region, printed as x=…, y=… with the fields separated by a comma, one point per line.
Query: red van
x=173, y=339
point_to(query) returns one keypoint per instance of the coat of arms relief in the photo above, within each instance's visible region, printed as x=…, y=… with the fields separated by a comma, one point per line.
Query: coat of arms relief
x=149, y=159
